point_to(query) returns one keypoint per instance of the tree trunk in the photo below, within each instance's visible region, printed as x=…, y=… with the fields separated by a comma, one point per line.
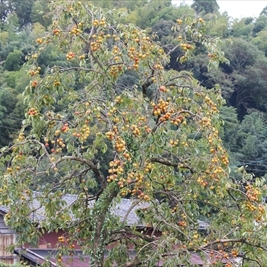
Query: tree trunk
x=99, y=234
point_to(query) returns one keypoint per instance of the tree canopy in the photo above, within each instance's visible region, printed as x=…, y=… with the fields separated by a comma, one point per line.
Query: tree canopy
x=108, y=121
x=205, y=6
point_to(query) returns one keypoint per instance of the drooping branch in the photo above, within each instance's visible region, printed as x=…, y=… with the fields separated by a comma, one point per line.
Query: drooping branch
x=225, y=241
x=180, y=76
x=89, y=163
x=249, y=259
x=147, y=84
x=169, y=163
x=79, y=69
x=130, y=209
x=220, y=241
x=132, y=235
x=164, y=162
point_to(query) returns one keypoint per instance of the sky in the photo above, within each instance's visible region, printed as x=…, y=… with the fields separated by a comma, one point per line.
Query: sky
x=236, y=8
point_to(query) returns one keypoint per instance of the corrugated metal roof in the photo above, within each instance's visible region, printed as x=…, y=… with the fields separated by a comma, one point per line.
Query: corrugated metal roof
x=125, y=210
x=3, y=209
x=39, y=210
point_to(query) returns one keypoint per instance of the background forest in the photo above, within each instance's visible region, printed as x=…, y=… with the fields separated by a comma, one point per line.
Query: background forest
x=242, y=82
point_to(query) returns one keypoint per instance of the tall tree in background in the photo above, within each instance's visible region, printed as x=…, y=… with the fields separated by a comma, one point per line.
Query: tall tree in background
x=22, y=8
x=264, y=12
x=5, y=9
x=41, y=13
x=205, y=6
x=111, y=4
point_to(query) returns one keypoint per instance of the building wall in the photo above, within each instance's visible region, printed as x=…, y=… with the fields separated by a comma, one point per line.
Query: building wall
x=50, y=240
x=7, y=238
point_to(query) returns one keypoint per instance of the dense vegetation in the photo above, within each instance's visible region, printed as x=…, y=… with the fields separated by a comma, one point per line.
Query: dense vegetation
x=130, y=103
x=242, y=81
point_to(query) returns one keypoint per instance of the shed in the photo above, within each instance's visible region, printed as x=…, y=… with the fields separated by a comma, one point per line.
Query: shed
x=7, y=238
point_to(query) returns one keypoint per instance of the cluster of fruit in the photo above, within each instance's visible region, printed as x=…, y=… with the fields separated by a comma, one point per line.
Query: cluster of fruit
x=70, y=55
x=116, y=168
x=34, y=72
x=32, y=112
x=120, y=145
x=253, y=193
x=75, y=30
x=211, y=105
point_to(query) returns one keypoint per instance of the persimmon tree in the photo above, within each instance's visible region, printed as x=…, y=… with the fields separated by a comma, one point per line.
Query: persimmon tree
x=110, y=123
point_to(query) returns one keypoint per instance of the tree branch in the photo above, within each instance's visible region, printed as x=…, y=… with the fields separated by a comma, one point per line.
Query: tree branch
x=164, y=162
x=89, y=163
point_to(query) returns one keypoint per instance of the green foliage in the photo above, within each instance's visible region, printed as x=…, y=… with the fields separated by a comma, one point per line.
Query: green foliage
x=114, y=4
x=153, y=11
x=82, y=91
x=41, y=13
x=259, y=25
x=9, y=123
x=5, y=8
x=259, y=41
x=254, y=83
x=242, y=28
x=241, y=54
x=230, y=127
x=13, y=61
x=264, y=12
x=50, y=57
x=3, y=37
x=163, y=32
x=12, y=23
x=23, y=10
x=205, y=6
x=247, y=143
x=37, y=30
x=105, y=119
x=218, y=25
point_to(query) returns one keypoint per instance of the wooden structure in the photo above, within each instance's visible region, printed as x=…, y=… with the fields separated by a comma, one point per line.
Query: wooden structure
x=7, y=238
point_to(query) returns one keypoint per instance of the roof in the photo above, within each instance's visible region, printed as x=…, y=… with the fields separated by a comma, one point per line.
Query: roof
x=78, y=259
x=3, y=209
x=125, y=209
x=40, y=256
x=39, y=211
